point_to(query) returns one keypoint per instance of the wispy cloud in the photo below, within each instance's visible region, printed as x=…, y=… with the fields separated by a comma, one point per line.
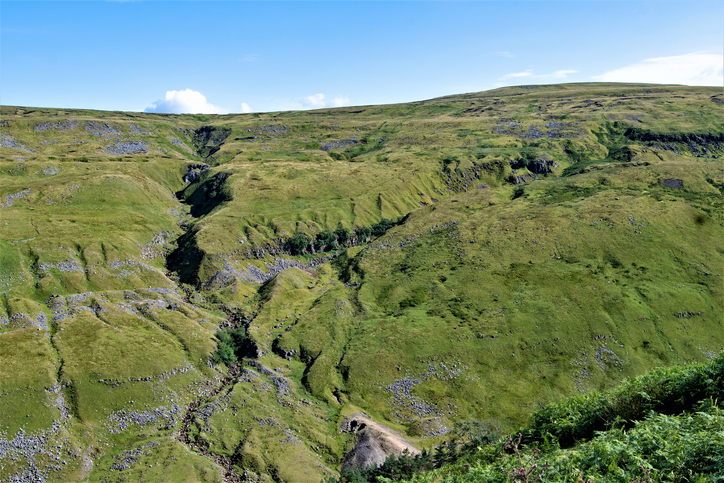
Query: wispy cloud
x=693, y=69
x=516, y=75
x=559, y=74
x=502, y=53
x=318, y=101
x=184, y=102
x=249, y=58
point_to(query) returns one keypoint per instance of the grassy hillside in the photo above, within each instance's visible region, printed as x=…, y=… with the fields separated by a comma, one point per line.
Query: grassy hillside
x=663, y=426
x=463, y=258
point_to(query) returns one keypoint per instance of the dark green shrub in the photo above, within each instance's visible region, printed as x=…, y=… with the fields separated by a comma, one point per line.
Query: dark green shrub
x=379, y=229
x=298, y=243
x=327, y=239
x=342, y=235
x=232, y=345
x=363, y=233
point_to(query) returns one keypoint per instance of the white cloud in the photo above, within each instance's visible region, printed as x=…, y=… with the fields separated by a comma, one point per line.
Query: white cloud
x=184, y=102
x=690, y=69
x=340, y=101
x=515, y=75
x=559, y=74
x=314, y=101
x=245, y=108
x=502, y=53
x=318, y=101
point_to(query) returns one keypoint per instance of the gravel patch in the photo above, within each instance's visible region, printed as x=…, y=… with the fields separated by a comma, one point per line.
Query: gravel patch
x=282, y=384
x=41, y=321
x=263, y=369
x=136, y=129
x=207, y=411
x=404, y=404
x=7, y=141
x=132, y=263
x=127, y=147
x=255, y=274
x=340, y=144
x=27, y=447
x=270, y=130
x=164, y=376
x=10, y=199
x=179, y=143
x=247, y=375
x=126, y=460
x=56, y=126
x=290, y=437
x=553, y=130
x=157, y=246
x=50, y=170
x=101, y=129
x=20, y=320
x=66, y=266
x=119, y=421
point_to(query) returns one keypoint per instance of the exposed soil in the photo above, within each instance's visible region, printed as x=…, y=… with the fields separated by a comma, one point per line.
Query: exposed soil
x=375, y=442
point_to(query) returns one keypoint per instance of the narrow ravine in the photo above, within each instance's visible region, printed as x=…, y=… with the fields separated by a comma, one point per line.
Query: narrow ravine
x=230, y=473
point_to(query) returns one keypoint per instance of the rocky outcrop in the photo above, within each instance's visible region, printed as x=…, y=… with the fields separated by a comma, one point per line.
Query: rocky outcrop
x=208, y=139
x=194, y=171
x=519, y=178
x=542, y=164
x=697, y=144
x=219, y=280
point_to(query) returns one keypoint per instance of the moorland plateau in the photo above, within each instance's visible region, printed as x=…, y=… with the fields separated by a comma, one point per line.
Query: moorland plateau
x=225, y=297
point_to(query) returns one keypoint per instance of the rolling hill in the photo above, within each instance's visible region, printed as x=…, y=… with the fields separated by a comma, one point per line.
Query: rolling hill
x=212, y=297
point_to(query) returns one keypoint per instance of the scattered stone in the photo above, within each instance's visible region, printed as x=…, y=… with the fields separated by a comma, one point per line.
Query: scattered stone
x=7, y=141
x=125, y=460
x=341, y=144
x=127, y=147
x=255, y=274
x=282, y=384
x=271, y=130
x=428, y=428
x=119, y=421
x=56, y=126
x=179, y=143
x=136, y=130
x=50, y=170
x=66, y=266
x=10, y=199
x=101, y=129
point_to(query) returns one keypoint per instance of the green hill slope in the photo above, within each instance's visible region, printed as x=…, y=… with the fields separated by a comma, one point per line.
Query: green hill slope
x=663, y=426
x=468, y=257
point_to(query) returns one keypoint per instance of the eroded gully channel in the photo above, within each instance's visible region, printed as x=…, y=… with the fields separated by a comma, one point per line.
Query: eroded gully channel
x=230, y=475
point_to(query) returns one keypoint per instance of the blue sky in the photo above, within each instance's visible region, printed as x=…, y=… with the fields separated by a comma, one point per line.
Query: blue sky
x=232, y=56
